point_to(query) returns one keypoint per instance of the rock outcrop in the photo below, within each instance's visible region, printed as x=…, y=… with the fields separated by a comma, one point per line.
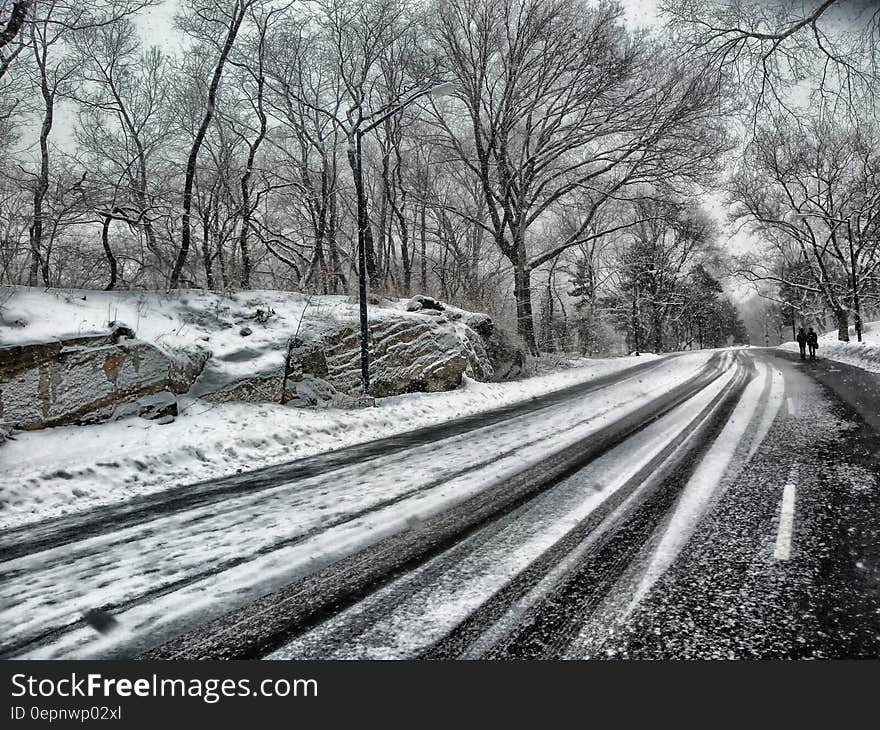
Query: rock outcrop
x=85, y=379
x=407, y=355
x=428, y=348
x=426, y=353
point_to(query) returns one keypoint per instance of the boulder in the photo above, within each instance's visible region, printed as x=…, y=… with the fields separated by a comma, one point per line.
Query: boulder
x=306, y=357
x=496, y=356
x=480, y=323
x=417, y=357
x=119, y=330
x=310, y=391
x=480, y=365
x=185, y=367
x=260, y=388
x=407, y=354
x=84, y=379
x=506, y=355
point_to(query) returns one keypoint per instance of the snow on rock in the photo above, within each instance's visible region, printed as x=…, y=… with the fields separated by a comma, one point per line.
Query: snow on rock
x=83, y=379
x=420, y=302
x=864, y=354
x=238, y=346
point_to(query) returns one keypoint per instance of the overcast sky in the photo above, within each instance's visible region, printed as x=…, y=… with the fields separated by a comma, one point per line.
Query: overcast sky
x=158, y=22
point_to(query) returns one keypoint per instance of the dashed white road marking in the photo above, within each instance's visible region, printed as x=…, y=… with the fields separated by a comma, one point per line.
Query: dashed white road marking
x=791, y=408
x=782, y=551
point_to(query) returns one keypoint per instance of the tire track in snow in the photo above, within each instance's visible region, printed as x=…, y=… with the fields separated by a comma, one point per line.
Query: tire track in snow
x=40, y=536
x=703, y=489
x=407, y=616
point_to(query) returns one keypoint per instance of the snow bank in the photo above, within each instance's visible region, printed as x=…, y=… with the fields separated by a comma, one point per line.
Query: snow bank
x=864, y=354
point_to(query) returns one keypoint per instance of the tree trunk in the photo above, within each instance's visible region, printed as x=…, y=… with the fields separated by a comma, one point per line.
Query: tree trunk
x=842, y=317
x=658, y=330
x=383, y=262
x=423, y=237
x=108, y=252
x=206, y=252
x=197, y=145
x=522, y=292
x=11, y=30
x=338, y=276
x=246, y=207
x=36, y=233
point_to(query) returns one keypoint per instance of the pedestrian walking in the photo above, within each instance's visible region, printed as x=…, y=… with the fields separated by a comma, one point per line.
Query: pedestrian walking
x=802, y=342
x=812, y=342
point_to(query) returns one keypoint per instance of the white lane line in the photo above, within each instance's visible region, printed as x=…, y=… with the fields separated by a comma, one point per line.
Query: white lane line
x=782, y=551
x=791, y=409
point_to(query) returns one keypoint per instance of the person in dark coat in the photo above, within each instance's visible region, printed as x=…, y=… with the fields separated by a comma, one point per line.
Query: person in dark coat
x=802, y=342
x=812, y=342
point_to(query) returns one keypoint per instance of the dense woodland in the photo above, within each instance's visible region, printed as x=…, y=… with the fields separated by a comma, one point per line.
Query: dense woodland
x=541, y=160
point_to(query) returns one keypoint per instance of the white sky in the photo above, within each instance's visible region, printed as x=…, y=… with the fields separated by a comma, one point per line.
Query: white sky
x=640, y=12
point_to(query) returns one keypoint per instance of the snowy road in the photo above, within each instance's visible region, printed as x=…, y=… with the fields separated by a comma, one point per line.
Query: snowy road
x=692, y=507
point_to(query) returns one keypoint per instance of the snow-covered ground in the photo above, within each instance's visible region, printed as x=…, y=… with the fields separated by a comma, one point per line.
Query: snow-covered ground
x=864, y=354
x=207, y=559
x=62, y=470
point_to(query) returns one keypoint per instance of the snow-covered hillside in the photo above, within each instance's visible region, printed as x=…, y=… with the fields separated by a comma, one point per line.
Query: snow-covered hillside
x=864, y=354
x=185, y=319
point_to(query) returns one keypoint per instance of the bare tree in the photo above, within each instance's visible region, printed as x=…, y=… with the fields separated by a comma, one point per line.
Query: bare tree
x=11, y=33
x=214, y=27
x=50, y=29
x=306, y=101
x=769, y=47
x=561, y=103
x=124, y=96
x=362, y=38
x=814, y=186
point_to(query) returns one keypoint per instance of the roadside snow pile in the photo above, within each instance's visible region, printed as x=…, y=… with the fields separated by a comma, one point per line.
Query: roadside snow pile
x=68, y=469
x=864, y=354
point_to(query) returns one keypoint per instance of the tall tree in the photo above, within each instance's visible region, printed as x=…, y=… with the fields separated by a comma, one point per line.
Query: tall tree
x=213, y=27
x=813, y=185
x=123, y=92
x=560, y=104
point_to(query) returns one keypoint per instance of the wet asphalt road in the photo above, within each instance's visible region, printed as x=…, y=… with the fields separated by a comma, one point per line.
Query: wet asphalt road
x=783, y=562
x=728, y=595
x=735, y=516
x=320, y=529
